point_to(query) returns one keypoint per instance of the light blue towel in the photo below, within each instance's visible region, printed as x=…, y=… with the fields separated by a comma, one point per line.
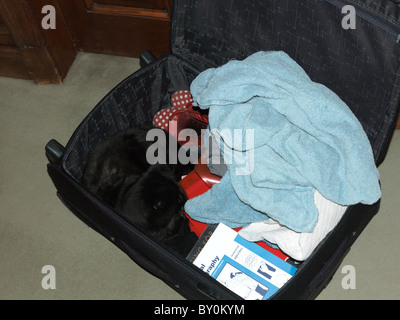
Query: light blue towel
x=305, y=138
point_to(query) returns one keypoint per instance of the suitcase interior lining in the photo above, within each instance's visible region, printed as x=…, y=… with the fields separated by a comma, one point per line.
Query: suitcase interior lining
x=132, y=102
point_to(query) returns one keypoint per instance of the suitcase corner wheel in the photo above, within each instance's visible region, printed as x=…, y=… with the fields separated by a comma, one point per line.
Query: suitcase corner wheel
x=146, y=58
x=54, y=150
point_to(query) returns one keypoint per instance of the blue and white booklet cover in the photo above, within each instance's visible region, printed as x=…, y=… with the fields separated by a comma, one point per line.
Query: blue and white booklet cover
x=244, y=267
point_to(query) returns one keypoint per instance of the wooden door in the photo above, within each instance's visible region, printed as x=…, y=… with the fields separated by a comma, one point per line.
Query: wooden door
x=119, y=27
x=29, y=51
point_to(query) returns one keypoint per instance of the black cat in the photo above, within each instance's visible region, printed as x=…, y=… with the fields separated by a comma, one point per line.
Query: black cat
x=147, y=195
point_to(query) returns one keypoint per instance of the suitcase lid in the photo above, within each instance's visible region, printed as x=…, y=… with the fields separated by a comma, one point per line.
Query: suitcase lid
x=358, y=59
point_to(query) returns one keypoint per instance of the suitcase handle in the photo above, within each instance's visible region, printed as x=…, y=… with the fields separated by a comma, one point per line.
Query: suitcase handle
x=54, y=150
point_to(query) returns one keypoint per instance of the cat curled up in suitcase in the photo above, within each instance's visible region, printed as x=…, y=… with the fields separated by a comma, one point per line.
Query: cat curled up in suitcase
x=147, y=195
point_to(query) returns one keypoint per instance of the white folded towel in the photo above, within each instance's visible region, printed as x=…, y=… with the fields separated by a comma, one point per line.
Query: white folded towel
x=298, y=245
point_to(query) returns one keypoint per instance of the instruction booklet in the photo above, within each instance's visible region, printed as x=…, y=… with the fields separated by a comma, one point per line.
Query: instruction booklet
x=244, y=267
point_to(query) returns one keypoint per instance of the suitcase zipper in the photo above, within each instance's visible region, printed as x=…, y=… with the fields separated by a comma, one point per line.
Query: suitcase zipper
x=371, y=17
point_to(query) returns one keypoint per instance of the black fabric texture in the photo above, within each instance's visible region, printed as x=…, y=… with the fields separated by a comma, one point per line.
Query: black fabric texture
x=133, y=102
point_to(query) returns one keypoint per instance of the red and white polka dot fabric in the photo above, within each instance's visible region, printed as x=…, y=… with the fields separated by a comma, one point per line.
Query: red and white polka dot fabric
x=182, y=98
x=181, y=101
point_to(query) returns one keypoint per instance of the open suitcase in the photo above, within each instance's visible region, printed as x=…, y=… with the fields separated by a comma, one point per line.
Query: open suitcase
x=360, y=65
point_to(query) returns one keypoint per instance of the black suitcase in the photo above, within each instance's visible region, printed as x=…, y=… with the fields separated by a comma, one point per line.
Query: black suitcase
x=358, y=60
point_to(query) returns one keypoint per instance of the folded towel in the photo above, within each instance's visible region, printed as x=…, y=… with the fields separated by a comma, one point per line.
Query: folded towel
x=298, y=245
x=302, y=136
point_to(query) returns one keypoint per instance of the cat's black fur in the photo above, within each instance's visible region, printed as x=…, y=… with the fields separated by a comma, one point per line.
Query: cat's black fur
x=148, y=196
